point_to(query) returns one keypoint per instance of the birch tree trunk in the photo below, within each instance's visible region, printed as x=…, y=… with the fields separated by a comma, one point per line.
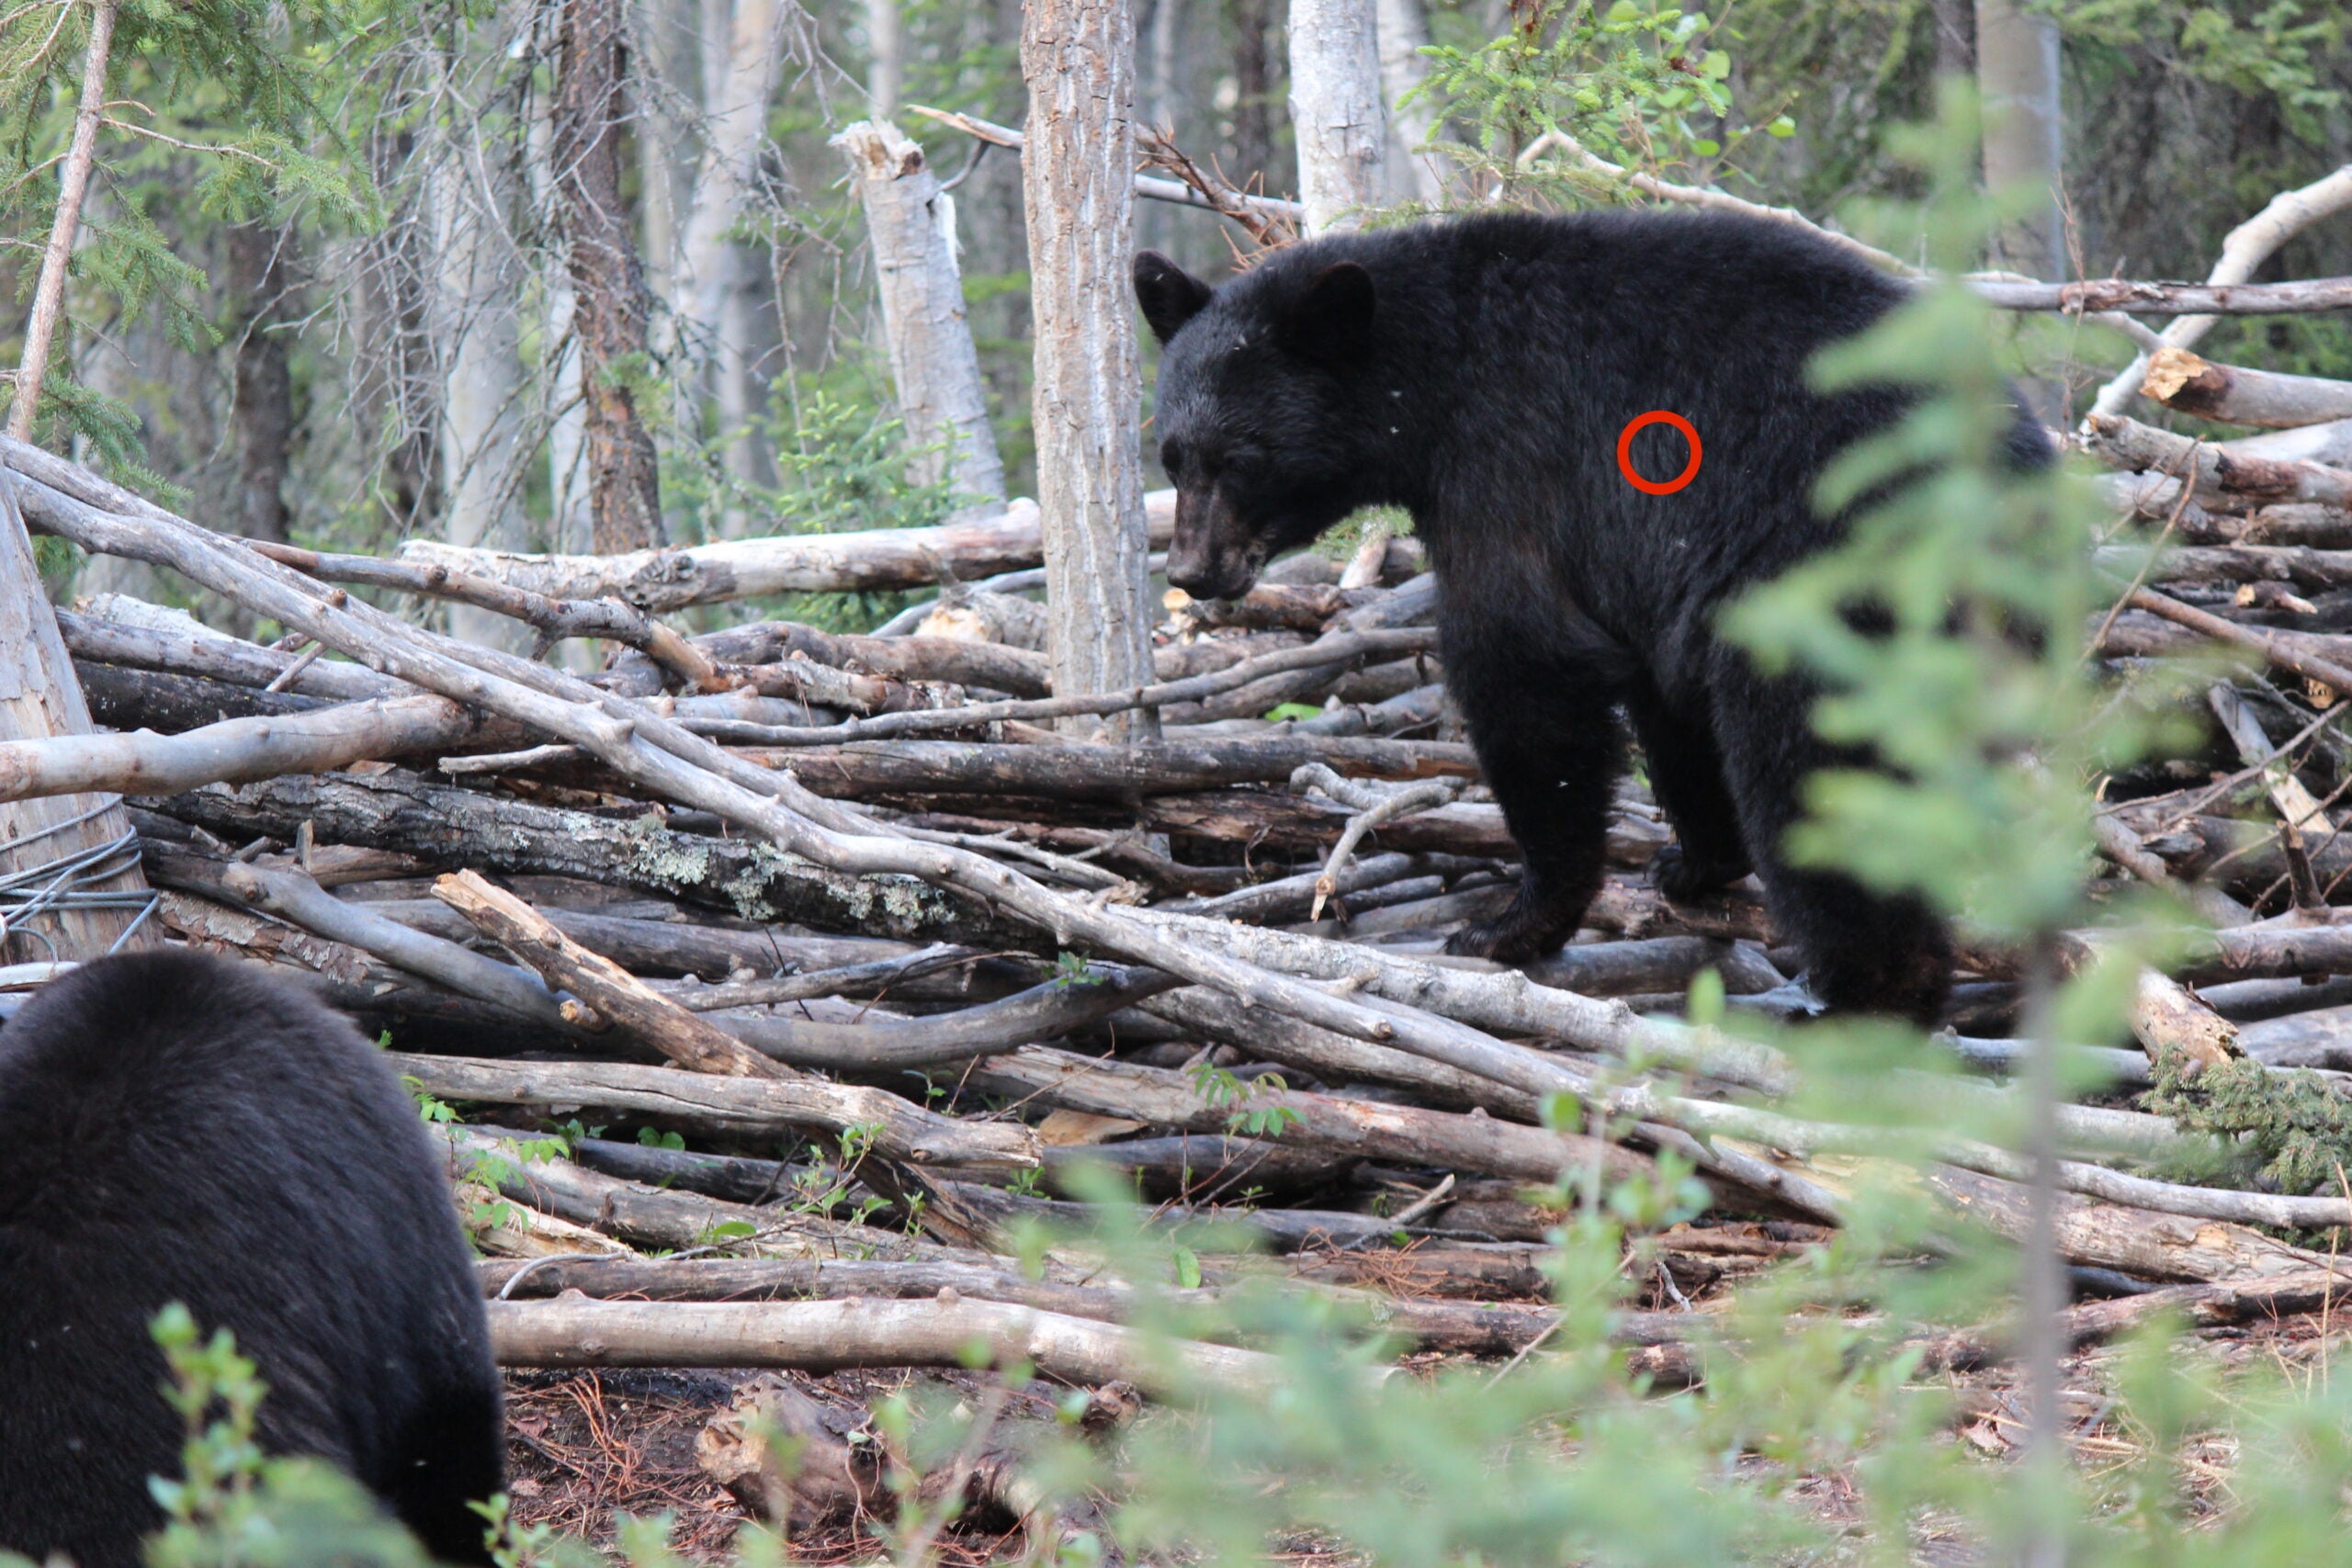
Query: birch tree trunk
x=1335, y=109
x=1077, y=175
x=40, y=697
x=478, y=344
x=624, y=494
x=885, y=56
x=716, y=286
x=666, y=90
x=2017, y=71
x=1404, y=26
x=910, y=221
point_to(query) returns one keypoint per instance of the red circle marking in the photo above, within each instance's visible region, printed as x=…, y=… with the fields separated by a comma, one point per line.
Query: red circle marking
x=1626, y=453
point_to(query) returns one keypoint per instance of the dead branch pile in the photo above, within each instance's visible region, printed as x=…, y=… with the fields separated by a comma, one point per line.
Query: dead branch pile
x=837, y=955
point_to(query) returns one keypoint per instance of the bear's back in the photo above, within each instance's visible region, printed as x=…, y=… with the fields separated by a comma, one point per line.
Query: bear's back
x=178, y=1128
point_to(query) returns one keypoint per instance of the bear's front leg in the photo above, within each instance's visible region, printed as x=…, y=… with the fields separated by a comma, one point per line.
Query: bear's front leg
x=1551, y=751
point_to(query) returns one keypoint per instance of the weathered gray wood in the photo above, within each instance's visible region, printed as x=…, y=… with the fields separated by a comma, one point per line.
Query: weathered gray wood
x=909, y=223
x=1335, y=111
x=40, y=699
x=1077, y=177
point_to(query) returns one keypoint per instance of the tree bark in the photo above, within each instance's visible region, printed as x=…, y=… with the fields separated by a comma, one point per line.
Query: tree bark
x=1079, y=181
x=263, y=403
x=909, y=223
x=1335, y=110
x=1253, y=131
x=591, y=105
x=477, y=338
x=716, y=282
x=662, y=580
x=1404, y=33
x=885, y=54
x=74, y=184
x=2017, y=70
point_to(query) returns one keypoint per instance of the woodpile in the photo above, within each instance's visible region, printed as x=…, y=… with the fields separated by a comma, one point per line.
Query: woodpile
x=842, y=958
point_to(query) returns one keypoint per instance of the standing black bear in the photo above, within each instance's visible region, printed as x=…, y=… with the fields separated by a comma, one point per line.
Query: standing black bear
x=177, y=1128
x=1479, y=373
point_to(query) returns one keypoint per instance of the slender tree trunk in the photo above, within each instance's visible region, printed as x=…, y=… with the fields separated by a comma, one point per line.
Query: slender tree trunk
x=1254, y=88
x=263, y=403
x=624, y=495
x=885, y=56
x=933, y=362
x=1079, y=183
x=1404, y=33
x=477, y=344
x=72, y=185
x=1335, y=109
x=666, y=93
x=717, y=284
x=2017, y=70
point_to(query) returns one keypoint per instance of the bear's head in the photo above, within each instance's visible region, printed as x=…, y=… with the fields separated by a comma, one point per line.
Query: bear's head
x=1258, y=419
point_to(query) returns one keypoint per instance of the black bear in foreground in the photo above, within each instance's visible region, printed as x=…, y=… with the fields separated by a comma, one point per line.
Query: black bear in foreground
x=174, y=1127
x=1479, y=374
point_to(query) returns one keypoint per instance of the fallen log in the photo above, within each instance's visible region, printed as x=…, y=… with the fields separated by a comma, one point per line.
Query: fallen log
x=2186, y=383
x=830, y=1337
x=402, y=812
x=898, y=1129
x=662, y=581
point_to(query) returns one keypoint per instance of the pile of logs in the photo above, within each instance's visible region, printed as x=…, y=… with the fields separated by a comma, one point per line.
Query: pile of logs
x=834, y=957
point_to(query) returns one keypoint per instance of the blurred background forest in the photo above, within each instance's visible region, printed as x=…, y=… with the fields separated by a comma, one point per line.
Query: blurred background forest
x=322, y=294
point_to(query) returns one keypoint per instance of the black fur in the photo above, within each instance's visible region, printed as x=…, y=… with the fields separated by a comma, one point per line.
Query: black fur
x=1478, y=373
x=177, y=1128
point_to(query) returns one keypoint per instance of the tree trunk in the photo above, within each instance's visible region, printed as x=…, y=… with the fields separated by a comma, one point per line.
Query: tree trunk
x=1404, y=33
x=263, y=404
x=477, y=344
x=937, y=372
x=718, y=288
x=39, y=698
x=885, y=56
x=624, y=495
x=666, y=87
x=1079, y=178
x=1253, y=88
x=2016, y=69
x=1335, y=109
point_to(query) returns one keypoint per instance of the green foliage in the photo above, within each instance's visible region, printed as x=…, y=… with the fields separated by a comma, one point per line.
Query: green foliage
x=1216, y=1087
x=1941, y=633
x=232, y=95
x=2277, y=50
x=2287, y=1130
x=1640, y=83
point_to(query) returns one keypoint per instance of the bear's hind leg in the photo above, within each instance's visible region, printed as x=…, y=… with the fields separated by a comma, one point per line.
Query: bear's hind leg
x=1551, y=751
x=1686, y=773
x=1864, y=950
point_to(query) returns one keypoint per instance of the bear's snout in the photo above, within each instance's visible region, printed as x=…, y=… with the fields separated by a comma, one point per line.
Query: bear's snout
x=1214, y=554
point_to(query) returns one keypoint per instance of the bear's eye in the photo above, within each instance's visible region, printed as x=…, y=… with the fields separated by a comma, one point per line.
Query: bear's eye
x=1171, y=457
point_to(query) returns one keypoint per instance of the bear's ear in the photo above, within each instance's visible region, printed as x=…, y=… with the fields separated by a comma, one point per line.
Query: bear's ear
x=1170, y=296
x=1332, y=320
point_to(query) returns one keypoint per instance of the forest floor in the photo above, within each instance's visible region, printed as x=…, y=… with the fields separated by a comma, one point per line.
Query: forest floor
x=590, y=1448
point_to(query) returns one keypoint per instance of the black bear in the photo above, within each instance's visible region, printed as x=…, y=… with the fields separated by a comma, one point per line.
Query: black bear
x=1479, y=373
x=174, y=1127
